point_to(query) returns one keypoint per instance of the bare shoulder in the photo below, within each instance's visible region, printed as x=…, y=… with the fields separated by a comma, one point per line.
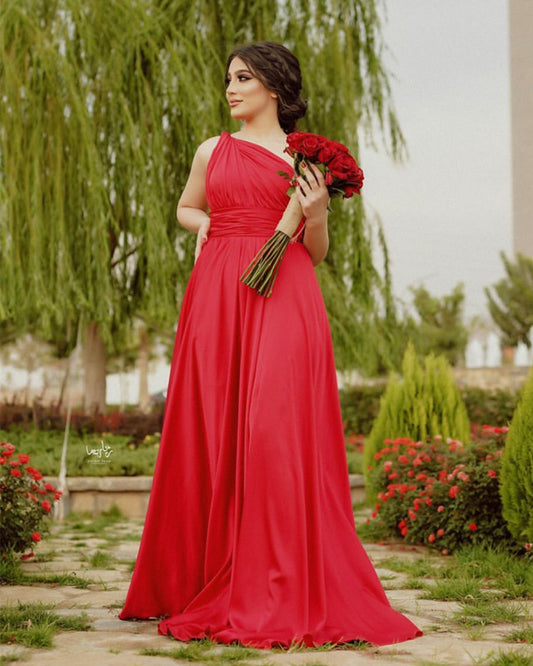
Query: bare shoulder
x=205, y=149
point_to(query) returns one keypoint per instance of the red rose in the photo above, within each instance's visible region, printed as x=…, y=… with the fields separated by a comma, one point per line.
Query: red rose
x=492, y=473
x=23, y=457
x=344, y=167
x=14, y=463
x=440, y=508
x=431, y=538
x=440, y=532
x=46, y=505
x=15, y=472
x=453, y=491
x=472, y=527
x=404, y=531
x=49, y=487
x=306, y=143
x=36, y=536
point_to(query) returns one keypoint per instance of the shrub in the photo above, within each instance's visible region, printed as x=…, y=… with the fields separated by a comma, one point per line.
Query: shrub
x=426, y=403
x=125, y=459
x=517, y=469
x=494, y=406
x=25, y=502
x=440, y=492
x=360, y=406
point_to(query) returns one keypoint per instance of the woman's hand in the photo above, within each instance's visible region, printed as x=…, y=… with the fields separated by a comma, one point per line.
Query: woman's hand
x=201, y=238
x=313, y=195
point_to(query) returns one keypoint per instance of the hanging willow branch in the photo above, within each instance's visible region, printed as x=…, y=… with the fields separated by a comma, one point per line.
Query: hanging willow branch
x=102, y=105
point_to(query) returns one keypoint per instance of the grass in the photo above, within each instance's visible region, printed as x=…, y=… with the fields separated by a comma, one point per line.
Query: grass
x=483, y=612
x=206, y=651
x=521, y=635
x=455, y=590
x=101, y=560
x=10, y=657
x=497, y=569
x=11, y=573
x=34, y=625
x=84, y=522
x=422, y=567
x=505, y=659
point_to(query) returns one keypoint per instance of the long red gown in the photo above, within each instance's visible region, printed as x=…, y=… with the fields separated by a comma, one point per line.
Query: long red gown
x=249, y=534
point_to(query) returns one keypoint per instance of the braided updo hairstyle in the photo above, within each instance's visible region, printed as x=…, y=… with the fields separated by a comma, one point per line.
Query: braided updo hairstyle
x=278, y=70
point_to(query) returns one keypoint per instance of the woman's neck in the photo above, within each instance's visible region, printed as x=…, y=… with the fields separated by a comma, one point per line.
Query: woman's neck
x=262, y=130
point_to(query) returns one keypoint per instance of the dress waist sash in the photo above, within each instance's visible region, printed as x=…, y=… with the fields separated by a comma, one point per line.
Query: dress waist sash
x=244, y=221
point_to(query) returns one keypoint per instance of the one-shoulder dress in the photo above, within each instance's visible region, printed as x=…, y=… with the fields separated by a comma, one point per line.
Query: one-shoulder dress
x=249, y=534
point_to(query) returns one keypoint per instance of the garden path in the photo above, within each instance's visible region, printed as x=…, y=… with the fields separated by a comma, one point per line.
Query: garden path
x=105, y=553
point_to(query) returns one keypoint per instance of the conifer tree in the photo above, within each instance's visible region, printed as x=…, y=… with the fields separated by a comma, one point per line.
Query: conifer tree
x=516, y=477
x=510, y=301
x=424, y=403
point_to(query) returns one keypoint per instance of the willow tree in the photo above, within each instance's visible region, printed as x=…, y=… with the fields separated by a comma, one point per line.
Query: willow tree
x=102, y=105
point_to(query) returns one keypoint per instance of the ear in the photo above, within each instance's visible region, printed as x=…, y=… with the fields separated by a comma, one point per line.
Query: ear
x=274, y=95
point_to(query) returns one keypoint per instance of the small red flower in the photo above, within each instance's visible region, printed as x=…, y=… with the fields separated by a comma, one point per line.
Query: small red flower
x=14, y=463
x=15, y=472
x=36, y=536
x=46, y=505
x=403, y=459
x=440, y=508
x=431, y=538
x=440, y=532
x=472, y=527
x=23, y=457
x=493, y=474
x=453, y=491
x=404, y=531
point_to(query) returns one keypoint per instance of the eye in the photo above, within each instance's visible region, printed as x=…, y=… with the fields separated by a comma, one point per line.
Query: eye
x=242, y=77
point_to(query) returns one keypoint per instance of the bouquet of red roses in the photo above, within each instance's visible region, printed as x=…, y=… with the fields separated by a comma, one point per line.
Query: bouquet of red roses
x=342, y=176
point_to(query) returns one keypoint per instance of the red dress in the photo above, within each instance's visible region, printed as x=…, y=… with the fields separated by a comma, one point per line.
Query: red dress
x=249, y=534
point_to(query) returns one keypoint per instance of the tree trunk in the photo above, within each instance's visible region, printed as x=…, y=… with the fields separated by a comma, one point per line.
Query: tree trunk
x=94, y=363
x=142, y=361
x=508, y=353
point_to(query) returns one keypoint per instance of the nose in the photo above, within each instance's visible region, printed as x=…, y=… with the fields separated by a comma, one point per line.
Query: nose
x=230, y=87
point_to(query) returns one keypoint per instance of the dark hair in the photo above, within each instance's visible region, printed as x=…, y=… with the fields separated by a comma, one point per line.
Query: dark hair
x=278, y=70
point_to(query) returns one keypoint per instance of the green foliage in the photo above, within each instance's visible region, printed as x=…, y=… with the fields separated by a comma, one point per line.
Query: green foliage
x=359, y=407
x=440, y=330
x=35, y=624
x=440, y=493
x=425, y=403
x=102, y=106
x=517, y=469
x=113, y=455
x=25, y=502
x=511, y=301
x=490, y=406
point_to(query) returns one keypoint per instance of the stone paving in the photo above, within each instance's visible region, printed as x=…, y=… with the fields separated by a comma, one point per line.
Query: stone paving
x=117, y=643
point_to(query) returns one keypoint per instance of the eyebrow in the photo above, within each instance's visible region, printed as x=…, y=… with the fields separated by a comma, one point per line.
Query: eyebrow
x=241, y=71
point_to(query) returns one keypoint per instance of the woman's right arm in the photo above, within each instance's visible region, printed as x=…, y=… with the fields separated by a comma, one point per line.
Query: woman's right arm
x=192, y=205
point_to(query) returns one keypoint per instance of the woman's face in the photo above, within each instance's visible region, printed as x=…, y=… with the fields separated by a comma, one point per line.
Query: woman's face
x=246, y=94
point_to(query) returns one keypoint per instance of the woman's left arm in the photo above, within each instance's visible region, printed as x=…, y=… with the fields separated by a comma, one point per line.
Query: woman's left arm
x=314, y=198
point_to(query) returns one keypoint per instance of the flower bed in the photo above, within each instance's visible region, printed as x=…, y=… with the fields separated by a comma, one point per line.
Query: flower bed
x=441, y=493
x=25, y=501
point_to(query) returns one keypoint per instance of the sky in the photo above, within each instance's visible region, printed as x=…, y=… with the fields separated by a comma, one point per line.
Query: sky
x=446, y=211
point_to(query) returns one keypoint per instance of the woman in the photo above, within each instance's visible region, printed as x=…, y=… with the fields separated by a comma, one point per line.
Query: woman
x=249, y=534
